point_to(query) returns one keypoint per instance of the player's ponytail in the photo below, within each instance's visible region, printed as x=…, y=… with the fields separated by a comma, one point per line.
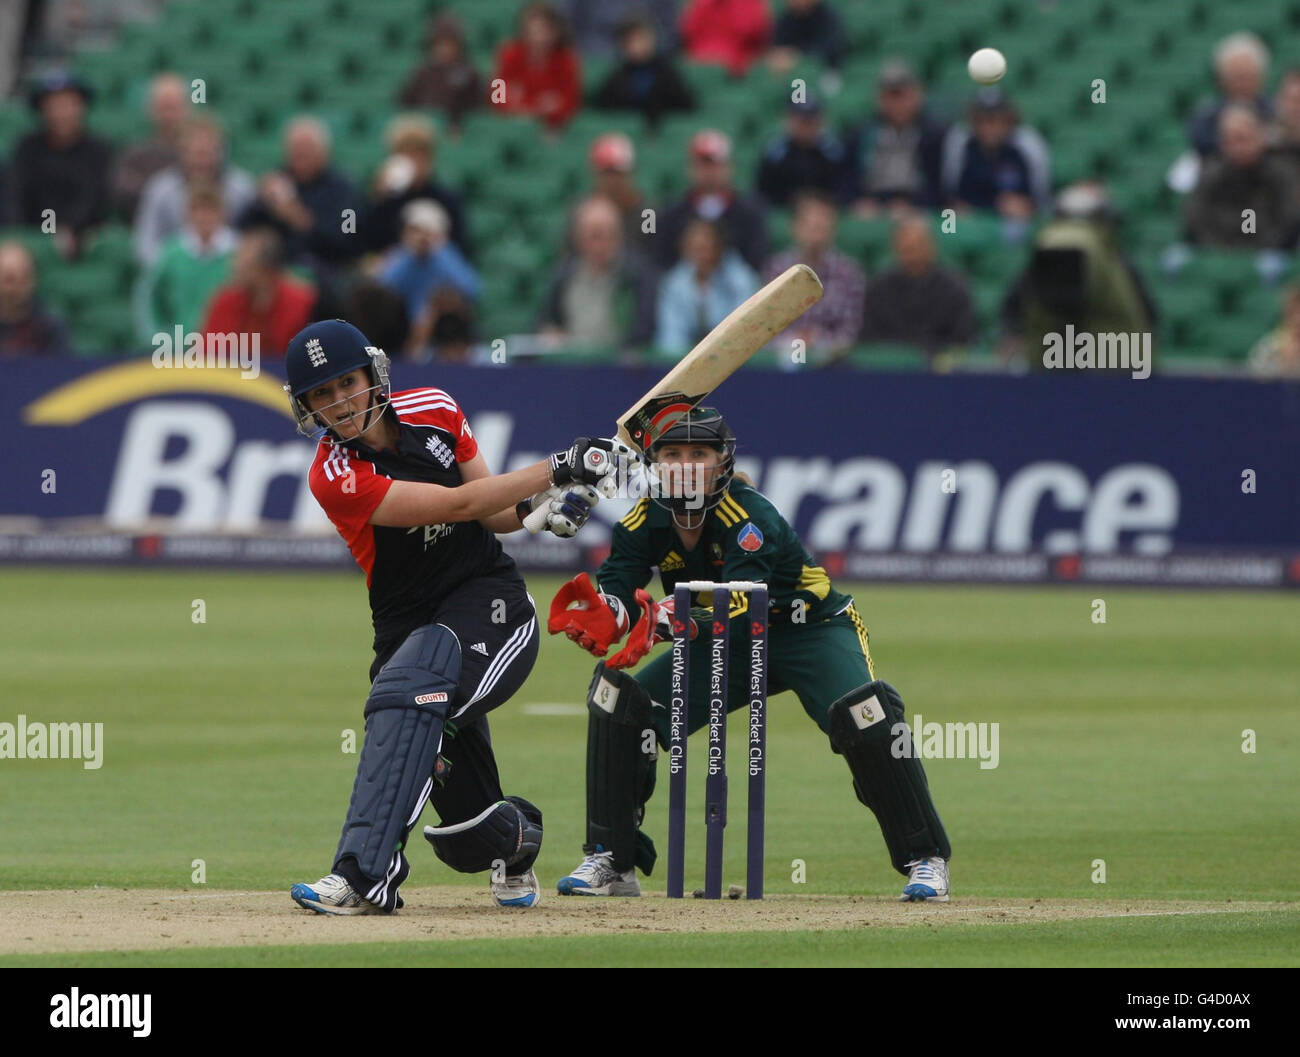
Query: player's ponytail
x=744, y=478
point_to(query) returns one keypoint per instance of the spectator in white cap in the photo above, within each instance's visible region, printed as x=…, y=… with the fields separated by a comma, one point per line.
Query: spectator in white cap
x=427, y=259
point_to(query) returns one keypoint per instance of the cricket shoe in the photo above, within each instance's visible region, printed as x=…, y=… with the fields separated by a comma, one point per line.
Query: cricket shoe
x=596, y=876
x=927, y=881
x=520, y=890
x=332, y=895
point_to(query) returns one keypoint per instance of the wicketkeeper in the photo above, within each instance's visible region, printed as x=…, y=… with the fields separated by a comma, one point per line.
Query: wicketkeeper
x=702, y=521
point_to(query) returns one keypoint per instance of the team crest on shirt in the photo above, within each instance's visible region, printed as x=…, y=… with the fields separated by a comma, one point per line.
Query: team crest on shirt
x=440, y=451
x=750, y=539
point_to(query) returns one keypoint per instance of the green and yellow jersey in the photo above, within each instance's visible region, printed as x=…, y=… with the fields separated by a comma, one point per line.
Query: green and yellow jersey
x=744, y=538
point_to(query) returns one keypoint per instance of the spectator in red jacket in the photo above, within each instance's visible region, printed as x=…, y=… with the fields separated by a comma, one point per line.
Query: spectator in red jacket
x=538, y=71
x=731, y=33
x=262, y=298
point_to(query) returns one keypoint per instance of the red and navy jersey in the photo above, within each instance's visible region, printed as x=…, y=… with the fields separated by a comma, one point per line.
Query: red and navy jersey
x=408, y=570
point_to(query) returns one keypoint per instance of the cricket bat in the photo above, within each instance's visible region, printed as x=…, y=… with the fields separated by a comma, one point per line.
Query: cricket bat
x=747, y=329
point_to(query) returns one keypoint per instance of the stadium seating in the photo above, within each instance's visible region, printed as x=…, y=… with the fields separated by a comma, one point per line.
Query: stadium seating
x=262, y=62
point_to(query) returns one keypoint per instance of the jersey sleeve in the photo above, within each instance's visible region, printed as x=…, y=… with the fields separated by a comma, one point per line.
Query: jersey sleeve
x=628, y=565
x=466, y=445
x=348, y=490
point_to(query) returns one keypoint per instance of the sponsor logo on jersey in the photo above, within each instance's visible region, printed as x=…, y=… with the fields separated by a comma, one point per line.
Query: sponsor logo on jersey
x=672, y=560
x=480, y=647
x=429, y=699
x=750, y=539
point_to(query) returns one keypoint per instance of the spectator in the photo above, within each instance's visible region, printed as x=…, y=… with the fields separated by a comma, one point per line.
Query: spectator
x=896, y=155
x=261, y=297
x=304, y=201
x=406, y=176
x=1284, y=138
x=26, y=329
x=446, y=327
x=60, y=166
x=701, y=289
x=1077, y=275
x=1277, y=354
x=833, y=323
x=378, y=312
x=597, y=25
x=603, y=295
x=612, y=161
x=1241, y=68
x=169, y=105
x=917, y=303
x=539, y=68
x=807, y=157
x=996, y=163
x=806, y=27
x=712, y=195
x=164, y=204
x=646, y=79
x=192, y=266
x=427, y=260
x=1244, y=177
x=730, y=33
x=446, y=81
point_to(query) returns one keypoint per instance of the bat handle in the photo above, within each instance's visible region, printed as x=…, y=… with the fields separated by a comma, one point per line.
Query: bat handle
x=536, y=520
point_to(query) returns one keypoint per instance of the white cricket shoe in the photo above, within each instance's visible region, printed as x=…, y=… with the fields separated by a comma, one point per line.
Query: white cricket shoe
x=521, y=890
x=927, y=881
x=596, y=876
x=332, y=895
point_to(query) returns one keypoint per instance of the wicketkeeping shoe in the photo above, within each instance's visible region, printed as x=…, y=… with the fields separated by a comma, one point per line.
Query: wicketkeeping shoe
x=521, y=890
x=332, y=895
x=596, y=876
x=927, y=881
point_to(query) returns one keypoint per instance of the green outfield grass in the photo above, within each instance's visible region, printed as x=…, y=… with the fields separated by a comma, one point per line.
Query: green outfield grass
x=1119, y=741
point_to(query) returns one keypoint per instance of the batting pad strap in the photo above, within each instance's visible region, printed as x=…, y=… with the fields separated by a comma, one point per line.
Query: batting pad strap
x=862, y=730
x=621, y=757
x=508, y=832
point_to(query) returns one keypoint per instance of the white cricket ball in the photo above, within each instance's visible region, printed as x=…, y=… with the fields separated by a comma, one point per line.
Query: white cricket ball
x=987, y=66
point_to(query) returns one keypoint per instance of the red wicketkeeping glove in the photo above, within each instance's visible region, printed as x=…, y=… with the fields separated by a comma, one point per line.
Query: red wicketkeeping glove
x=595, y=622
x=655, y=626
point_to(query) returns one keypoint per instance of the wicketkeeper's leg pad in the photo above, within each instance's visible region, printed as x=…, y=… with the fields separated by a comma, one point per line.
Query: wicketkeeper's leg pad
x=508, y=834
x=621, y=756
x=893, y=786
x=405, y=712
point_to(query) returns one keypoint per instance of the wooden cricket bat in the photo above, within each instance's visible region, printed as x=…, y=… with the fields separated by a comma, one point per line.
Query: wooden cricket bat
x=747, y=329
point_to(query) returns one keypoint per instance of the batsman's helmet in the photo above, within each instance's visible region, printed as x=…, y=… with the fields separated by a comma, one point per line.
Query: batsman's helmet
x=326, y=350
x=701, y=425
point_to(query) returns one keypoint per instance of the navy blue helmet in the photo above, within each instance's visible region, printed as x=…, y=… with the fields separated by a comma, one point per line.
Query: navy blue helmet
x=326, y=350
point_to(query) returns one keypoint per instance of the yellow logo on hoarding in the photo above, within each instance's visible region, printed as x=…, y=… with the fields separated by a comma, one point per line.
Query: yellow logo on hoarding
x=93, y=394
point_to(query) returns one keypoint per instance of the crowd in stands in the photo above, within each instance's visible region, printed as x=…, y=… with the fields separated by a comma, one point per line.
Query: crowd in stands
x=222, y=249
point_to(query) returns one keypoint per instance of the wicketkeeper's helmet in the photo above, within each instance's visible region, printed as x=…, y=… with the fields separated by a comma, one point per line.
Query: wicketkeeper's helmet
x=326, y=350
x=701, y=425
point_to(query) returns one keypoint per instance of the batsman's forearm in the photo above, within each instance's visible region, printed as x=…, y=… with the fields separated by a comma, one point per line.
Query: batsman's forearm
x=489, y=496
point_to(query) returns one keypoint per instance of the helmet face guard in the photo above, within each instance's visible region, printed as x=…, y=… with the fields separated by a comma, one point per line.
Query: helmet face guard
x=380, y=390
x=326, y=350
x=676, y=486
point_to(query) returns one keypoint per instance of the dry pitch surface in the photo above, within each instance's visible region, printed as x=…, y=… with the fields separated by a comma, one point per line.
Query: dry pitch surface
x=105, y=919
